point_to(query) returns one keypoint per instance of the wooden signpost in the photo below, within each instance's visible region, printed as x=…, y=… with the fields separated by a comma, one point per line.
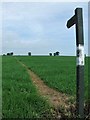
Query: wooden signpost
x=77, y=19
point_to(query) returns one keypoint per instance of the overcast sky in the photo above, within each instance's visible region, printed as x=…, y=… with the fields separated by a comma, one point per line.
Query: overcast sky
x=41, y=27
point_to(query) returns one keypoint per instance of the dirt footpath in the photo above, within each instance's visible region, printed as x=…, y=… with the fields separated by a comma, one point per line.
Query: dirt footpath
x=56, y=99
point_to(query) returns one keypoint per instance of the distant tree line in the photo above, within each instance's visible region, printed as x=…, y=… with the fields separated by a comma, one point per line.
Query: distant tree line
x=11, y=54
x=50, y=54
x=8, y=54
x=29, y=54
x=54, y=54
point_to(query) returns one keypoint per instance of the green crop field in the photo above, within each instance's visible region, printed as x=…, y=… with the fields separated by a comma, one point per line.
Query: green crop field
x=58, y=72
x=19, y=96
x=0, y=86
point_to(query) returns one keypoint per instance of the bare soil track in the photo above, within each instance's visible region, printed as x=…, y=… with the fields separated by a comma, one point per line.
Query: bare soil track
x=56, y=99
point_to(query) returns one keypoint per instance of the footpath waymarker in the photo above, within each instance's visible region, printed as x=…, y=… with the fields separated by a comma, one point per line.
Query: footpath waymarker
x=77, y=19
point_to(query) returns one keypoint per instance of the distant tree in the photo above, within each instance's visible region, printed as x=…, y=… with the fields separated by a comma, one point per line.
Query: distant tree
x=57, y=53
x=11, y=53
x=8, y=53
x=29, y=53
x=85, y=55
x=4, y=55
x=50, y=54
x=85, y=58
x=54, y=54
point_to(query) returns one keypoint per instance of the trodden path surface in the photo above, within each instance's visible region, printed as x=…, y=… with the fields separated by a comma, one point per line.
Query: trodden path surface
x=55, y=98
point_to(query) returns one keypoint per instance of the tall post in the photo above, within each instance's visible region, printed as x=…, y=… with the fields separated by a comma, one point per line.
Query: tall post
x=77, y=19
x=80, y=62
